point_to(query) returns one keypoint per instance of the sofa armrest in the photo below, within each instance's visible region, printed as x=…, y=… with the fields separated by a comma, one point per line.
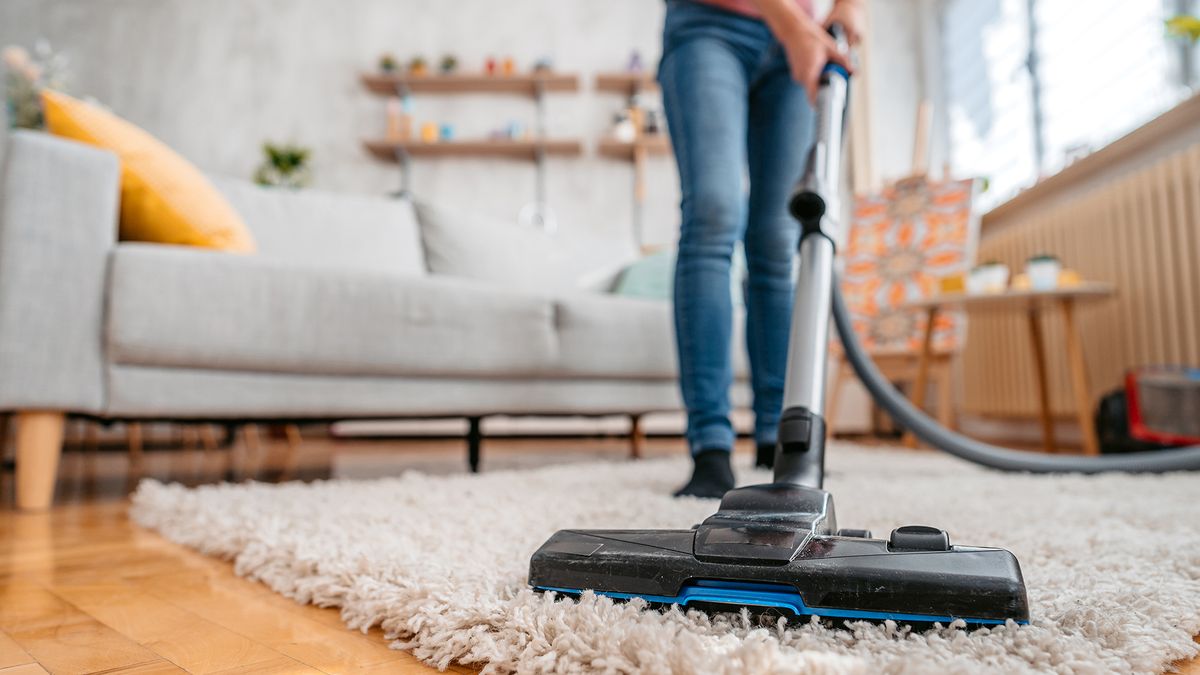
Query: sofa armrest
x=58, y=224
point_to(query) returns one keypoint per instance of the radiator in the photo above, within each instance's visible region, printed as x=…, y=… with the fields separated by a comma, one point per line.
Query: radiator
x=1139, y=231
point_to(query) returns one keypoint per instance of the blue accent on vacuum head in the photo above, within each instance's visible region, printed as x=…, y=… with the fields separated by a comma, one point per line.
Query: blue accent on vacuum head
x=742, y=594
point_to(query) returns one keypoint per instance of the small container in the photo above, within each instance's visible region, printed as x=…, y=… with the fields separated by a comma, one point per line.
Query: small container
x=394, y=111
x=624, y=130
x=446, y=133
x=990, y=277
x=1043, y=271
x=508, y=67
x=489, y=66
x=429, y=132
x=399, y=119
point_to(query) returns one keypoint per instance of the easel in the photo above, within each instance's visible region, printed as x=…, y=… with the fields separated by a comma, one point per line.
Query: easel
x=906, y=365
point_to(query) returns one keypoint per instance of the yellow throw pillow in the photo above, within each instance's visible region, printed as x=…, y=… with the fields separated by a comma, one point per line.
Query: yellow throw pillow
x=164, y=199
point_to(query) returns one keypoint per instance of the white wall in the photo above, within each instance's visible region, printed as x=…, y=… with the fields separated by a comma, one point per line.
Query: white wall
x=215, y=78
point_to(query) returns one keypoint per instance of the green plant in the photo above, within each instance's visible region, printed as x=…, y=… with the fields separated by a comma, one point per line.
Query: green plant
x=1043, y=257
x=284, y=165
x=1184, y=26
x=388, y=63
x=25, y=75
x=449, y=63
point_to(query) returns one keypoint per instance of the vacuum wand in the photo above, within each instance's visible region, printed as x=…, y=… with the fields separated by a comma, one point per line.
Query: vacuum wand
x=800, y=453
x=777, y=547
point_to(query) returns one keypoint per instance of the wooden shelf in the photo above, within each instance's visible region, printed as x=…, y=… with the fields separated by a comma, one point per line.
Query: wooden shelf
x=521, y=85
x=655, y=145
x=523, y=149
x=626, y=83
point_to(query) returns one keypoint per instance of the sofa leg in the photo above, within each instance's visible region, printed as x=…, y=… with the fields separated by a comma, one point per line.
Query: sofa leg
x=4, y=417
x=636, y=436
x=136, y=440
x=38, y=447
x=474, y=440
x=291, y=456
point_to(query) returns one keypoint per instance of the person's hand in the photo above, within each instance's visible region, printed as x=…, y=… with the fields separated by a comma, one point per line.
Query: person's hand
x=851, y=15
x=809, y=49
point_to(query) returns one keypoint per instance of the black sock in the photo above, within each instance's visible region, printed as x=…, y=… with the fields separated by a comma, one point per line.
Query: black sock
x=712, y=475
x=766, y=456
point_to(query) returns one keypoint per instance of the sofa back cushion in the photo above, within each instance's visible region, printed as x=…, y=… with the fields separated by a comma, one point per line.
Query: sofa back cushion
x=491, y=250
x=329, y=230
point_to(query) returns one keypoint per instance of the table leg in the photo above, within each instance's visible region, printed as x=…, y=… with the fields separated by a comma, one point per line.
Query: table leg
x=1039, y=365
x=831, y=401
x=922, y=383
x=1079, y=379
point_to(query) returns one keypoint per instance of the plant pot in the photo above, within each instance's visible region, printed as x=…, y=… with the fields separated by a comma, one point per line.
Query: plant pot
x=1043, y=273
x=988, y=278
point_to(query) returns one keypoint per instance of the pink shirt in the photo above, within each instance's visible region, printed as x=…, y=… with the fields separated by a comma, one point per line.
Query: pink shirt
x=748, y=8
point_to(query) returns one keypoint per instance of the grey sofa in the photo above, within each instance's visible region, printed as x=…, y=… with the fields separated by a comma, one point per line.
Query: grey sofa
x=337, y=317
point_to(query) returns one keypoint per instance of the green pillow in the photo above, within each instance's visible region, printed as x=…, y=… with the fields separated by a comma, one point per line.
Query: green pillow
x=652, y=277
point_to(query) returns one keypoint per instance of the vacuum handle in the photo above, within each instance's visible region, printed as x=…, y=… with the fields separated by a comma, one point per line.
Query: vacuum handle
x=838, y=33
x=815, y=193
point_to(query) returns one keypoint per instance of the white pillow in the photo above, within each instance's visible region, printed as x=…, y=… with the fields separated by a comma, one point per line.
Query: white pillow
x=489, y=249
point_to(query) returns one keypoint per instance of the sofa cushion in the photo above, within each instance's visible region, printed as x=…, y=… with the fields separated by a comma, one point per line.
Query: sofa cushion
x=186, y=308
x=325, y=229
x=492, y=250
x=616, y=337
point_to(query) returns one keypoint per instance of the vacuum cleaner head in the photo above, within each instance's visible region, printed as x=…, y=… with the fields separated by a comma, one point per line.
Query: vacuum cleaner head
x=776, y=548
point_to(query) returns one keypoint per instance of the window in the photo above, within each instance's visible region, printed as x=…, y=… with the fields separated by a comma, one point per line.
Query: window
x=1031, y=85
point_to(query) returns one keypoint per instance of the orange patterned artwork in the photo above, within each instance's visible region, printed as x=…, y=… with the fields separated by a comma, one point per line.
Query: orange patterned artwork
x=901, y=243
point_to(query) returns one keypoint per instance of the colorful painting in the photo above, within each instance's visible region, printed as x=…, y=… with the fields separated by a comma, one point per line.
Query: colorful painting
x=901, y=244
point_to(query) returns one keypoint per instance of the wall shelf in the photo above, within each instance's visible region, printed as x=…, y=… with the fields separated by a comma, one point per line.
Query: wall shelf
x=534, y=85
x=656, y=145
x=528, y=84
x=626, y=83
x=529, y=150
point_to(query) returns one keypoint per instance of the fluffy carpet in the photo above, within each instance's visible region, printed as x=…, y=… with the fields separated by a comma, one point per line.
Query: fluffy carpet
x=1112, y=564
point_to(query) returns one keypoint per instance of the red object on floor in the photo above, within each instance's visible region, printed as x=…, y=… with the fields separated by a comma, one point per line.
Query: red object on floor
x=1164, y=404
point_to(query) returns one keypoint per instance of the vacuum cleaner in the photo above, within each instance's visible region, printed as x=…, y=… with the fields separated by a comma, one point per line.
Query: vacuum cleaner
x=777, y=547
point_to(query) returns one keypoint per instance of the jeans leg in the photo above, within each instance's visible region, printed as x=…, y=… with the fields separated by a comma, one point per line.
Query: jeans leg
x=704, y=84
x=780, y=133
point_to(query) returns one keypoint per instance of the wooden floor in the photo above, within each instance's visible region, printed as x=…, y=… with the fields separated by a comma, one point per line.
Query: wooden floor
x=83, y=590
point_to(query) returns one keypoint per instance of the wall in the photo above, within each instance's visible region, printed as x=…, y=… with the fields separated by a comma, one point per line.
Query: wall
x=215, y=78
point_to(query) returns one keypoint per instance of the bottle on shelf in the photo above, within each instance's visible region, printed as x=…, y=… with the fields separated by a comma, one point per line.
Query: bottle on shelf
x=399, y=118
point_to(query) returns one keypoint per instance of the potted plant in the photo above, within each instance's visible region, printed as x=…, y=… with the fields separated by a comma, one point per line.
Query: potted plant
x=388, y=63
x=990, y=276
x=284, y=166
x=1043, y=271
x=449, y=64
x=1184, y=26
x=418, y=67
x=25, y=76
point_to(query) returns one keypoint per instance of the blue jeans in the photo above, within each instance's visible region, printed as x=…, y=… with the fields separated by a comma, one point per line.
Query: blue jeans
x=733, y=110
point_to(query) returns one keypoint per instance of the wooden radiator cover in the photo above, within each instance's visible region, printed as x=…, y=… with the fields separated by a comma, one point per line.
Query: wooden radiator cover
x=1140, y=231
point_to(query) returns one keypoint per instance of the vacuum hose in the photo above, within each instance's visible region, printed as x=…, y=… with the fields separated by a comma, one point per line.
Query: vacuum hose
x=912, y=418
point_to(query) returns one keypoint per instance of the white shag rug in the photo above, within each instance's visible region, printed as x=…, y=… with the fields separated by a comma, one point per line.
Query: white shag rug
x=1112, y=564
